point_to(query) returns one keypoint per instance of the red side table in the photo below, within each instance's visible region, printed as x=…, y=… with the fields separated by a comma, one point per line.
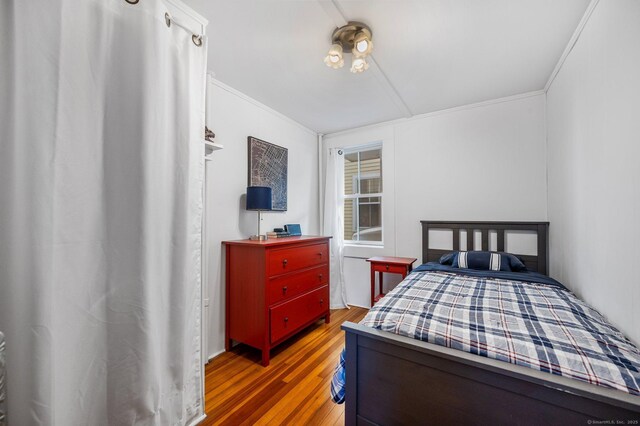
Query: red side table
x=393, y=265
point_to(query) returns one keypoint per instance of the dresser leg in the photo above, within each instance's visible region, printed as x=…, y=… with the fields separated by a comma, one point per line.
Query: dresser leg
x=265, y=357
x=327, y=318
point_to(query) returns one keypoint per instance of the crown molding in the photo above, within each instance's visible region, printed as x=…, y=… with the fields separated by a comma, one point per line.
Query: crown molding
x=572, y=42
x=439, y=112
x=258, y=104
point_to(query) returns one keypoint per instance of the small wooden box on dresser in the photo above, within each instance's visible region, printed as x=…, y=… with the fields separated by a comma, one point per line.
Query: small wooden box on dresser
x=275, y=288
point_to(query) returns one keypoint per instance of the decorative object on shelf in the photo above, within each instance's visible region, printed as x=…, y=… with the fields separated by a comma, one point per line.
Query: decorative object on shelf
x=208, y=134
x=273, y=234
x=293, y=229
x=268, y=165
x=278, y=233
x=259, y=199
x=356, y=37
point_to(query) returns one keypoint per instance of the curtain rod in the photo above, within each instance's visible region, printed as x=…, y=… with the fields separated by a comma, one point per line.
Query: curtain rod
x=168, y=19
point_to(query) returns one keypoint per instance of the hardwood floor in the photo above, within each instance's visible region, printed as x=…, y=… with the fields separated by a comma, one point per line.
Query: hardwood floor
x=293, y=389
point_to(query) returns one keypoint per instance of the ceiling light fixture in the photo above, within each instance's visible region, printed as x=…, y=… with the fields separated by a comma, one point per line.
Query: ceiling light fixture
x=354, y=37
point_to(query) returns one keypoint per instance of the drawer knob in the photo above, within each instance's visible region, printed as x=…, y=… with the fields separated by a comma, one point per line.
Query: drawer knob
x=284, y=289
x=284, y=262
x=320, y=277
x=286, y=319
x=387, y=267
x=320, y=253
x=321, y=301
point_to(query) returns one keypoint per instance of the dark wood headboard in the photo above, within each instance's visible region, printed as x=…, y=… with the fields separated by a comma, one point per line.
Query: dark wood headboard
x=533, y=263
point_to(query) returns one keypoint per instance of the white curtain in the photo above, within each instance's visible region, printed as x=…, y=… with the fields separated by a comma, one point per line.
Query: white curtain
x=334, y=224
x=100, y=213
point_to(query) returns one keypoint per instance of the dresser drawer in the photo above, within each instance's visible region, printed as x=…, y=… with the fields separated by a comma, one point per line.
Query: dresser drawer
x=290, y=285
x=289, y=316
x=393, y=269
x=291, y=259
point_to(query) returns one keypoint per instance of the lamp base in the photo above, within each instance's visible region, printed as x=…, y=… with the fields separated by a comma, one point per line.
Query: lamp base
x=258, y=237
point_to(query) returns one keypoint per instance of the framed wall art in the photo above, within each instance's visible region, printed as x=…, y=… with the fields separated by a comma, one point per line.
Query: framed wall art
x=268, y=166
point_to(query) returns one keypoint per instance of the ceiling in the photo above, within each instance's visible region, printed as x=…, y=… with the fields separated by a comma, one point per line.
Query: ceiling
x=429, y=55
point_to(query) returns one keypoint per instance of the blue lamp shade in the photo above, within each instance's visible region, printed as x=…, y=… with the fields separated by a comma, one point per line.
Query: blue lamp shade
x=258, y=198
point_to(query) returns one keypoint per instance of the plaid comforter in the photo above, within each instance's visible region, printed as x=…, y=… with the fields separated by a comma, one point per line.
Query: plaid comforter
x=535, y=325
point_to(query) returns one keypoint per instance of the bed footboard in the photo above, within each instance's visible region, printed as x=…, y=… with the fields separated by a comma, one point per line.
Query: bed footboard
x=392, y=379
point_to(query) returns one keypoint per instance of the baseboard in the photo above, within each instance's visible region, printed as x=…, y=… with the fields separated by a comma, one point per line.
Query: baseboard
x=198, y=420
x=359, y=306
x=215, y=354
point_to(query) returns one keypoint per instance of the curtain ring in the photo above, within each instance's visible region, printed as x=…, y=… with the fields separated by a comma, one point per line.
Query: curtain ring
x=132, y=1
x=197, y=40
x=167, y=19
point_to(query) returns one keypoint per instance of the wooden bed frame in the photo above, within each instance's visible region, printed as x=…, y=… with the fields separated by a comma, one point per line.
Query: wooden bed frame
x=396, y=380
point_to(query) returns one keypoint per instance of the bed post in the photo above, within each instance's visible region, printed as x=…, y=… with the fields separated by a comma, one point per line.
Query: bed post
x=425, y=241
x=543, y=255
x=351, y=376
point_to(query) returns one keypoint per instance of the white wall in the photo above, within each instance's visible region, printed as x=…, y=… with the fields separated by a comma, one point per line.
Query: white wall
x=593, y=119
x=480, y=162
x=233, y=117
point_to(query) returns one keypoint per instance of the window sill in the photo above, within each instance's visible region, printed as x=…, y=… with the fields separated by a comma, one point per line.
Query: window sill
x=370, y=246
x=364, y=251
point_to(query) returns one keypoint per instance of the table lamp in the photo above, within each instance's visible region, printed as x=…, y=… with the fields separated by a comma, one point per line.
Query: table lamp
x=259, y=199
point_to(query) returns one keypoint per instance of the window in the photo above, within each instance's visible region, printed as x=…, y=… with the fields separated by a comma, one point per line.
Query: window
x=363, y=195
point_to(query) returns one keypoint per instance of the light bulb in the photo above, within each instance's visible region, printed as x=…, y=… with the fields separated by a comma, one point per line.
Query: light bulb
x=359, y=65
x=334, y=58
x=362, y=45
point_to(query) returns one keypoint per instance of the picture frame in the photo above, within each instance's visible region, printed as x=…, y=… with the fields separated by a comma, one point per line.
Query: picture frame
x=293, y=229
x=268, y=166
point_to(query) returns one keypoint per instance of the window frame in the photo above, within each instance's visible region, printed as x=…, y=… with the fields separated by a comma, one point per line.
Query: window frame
x=357, y=195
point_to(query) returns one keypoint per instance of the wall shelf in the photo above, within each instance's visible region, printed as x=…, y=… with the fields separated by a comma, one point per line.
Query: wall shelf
x=210, y=147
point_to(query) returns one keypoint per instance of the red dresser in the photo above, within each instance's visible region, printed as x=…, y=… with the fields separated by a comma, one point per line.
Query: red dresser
x=274, y=289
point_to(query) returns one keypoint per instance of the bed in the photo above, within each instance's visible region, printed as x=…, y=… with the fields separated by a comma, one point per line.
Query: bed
x=396, y=379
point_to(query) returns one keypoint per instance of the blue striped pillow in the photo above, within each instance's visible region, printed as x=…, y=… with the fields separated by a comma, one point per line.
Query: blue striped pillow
x=485, y=261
